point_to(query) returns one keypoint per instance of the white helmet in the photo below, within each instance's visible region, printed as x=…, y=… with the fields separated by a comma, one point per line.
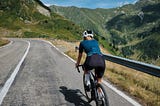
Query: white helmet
x=88, y=33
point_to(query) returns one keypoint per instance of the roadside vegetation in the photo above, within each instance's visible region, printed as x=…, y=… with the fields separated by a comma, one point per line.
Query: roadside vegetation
x=143, y=87
x=3, y=42
x=26, y=21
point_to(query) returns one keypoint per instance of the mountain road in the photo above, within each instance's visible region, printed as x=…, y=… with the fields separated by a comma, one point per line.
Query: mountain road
x=46, y=77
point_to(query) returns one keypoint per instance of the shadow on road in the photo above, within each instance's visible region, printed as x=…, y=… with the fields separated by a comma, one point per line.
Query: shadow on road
x=74, y=96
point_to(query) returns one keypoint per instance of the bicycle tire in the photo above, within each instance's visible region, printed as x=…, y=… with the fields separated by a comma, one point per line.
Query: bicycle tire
x=87, y=93
x=104, y=100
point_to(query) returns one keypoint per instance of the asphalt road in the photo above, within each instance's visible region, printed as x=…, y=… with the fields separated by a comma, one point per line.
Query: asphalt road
x=46, y=77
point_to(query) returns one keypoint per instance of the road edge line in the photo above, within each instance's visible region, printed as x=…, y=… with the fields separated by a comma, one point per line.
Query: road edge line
x=129, y=99
x=10, y=80
x=59, y=50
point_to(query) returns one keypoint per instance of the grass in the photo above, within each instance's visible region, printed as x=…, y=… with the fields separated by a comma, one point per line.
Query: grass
x=34, y=25
x=143, y=87
x=3, y=42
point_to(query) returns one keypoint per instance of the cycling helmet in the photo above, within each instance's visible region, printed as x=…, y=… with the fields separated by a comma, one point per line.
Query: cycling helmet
x=88, y=33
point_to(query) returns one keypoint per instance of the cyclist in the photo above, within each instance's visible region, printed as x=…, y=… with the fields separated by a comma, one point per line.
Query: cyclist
x=94, y=59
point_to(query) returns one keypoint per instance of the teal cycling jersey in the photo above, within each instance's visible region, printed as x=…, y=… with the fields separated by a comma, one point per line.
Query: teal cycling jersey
x=90, y=47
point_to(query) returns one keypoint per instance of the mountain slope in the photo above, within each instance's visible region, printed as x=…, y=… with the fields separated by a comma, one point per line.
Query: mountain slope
x=31, y=18
x=87, y=18
x=131, y=30
x=142, y=26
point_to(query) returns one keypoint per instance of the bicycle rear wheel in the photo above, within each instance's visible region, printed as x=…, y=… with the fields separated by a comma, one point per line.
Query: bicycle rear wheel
x=102, y=98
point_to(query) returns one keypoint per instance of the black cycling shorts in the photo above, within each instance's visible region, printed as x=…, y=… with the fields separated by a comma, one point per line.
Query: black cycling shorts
x=96, y=62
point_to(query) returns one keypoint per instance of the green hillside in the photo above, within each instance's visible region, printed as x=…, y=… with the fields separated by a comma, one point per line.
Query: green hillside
x=94, y=19
x=87, y=18
x=131, y=31
x=30, y=18
x=136, y=33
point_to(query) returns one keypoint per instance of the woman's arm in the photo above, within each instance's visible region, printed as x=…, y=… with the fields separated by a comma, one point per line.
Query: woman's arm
x=79, y=59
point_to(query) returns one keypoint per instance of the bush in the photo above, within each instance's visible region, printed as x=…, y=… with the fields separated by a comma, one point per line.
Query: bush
x=34, y=35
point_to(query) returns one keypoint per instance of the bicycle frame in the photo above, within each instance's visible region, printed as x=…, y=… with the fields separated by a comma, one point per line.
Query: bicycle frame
x=93, y=90
x=93, y=81
x=95, y=86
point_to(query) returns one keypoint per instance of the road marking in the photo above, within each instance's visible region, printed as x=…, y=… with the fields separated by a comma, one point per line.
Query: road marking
x=129, y=99
x=59, y=50
x=133, y=102
x=10, y=80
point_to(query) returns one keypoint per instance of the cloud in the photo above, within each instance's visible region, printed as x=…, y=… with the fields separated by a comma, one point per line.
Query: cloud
x=135, y=1
x=120, y=4
x=47, y=5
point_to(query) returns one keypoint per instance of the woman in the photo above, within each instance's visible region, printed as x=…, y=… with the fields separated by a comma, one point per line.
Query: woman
x=94, y=59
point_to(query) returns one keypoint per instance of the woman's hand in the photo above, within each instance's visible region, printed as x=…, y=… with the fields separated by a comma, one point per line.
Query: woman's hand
x=76, y=65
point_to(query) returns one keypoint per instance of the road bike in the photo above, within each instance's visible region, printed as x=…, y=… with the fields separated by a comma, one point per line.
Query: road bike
x=96, y=91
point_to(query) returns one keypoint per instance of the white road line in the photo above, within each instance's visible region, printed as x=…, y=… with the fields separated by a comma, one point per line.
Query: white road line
x=10, y=80
x=129, y=99
x=59, y=50
x=133, y=102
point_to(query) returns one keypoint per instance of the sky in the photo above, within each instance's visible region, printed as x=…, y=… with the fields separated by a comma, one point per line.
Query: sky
x=89, y=3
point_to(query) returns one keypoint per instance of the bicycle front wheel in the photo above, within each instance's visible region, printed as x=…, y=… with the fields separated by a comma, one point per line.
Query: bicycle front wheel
x=87, y=92
x=102, y=98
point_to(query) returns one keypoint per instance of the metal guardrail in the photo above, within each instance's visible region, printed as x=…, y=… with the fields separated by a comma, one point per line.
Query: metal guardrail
x=140, y=66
